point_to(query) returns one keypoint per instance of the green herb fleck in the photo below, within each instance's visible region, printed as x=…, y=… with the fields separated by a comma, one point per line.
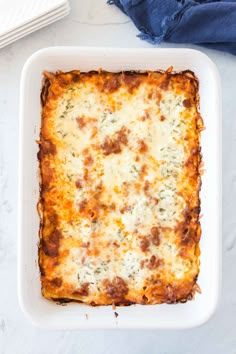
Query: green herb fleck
x=71, y=89
x=135, y=168
x=104, y=116
x=69, y=176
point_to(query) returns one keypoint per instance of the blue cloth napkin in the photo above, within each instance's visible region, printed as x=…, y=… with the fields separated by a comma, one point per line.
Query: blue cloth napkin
x=208, y=23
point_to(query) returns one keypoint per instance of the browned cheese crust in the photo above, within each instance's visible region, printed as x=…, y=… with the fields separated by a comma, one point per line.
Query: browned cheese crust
x=120, y=160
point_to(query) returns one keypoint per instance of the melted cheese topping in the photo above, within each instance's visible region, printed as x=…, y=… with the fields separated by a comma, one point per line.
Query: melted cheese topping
x=119, y=163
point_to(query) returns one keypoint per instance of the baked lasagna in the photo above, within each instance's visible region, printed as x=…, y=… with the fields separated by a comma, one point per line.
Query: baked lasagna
x=120, y=160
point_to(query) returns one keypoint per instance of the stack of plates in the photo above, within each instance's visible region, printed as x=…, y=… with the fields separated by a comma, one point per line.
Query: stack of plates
x=21, y=17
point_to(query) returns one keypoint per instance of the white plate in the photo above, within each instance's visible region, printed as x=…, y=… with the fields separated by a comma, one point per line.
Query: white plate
x=16, y=13
x=34, y=25
x=38, y=20
x=47, y=314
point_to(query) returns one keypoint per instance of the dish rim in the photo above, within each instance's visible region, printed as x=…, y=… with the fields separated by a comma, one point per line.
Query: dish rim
x=53, y=51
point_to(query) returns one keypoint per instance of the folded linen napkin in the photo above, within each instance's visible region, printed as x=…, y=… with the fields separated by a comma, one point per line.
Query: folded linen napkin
x=211, y=23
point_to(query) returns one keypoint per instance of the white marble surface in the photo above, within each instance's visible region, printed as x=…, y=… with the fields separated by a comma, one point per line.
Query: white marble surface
x=92, y=22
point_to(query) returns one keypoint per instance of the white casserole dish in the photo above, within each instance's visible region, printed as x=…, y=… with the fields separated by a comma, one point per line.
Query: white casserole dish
x=47, y=314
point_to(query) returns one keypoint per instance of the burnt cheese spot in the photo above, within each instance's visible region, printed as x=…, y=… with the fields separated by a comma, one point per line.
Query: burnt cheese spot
x=47, y=176
x=132, y=81
x=47, y=147
x=51, y=246
x=165, y=82
x=192, y=163
x=145, y=299
x=75, y=77
x=42, y=271
x=111, y=84
x=63, y=80
x=45, y=90
x=53, y=219
x=190, y=234
x=92, y=214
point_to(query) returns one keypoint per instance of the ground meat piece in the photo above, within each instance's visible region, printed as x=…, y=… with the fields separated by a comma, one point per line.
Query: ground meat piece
x=187, y=103
x=81, y=122
x=144, y=244
x=57, y=282
x=88, y=160
x=83, y=290
x=142, y=146
x=154, y=262
x=111, y=146
x=121, y=136
x=83, y=205
x=78, y=183
x=117, y=288
x=155, y=236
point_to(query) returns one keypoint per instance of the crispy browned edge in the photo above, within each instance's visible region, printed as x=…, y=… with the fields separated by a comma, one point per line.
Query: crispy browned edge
x=46, y=82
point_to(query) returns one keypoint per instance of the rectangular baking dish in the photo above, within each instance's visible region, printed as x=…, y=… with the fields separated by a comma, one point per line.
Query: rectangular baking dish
x=46, y=314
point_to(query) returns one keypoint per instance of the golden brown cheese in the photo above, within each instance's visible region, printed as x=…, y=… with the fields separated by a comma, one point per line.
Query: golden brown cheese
x=120, y=159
